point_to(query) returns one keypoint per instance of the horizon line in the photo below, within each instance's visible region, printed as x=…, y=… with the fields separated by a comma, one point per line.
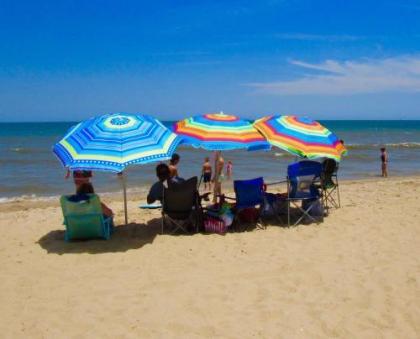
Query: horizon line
x=77, y=121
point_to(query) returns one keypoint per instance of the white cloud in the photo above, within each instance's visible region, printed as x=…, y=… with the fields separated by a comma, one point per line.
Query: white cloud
x=317, y=37
x=400, y=74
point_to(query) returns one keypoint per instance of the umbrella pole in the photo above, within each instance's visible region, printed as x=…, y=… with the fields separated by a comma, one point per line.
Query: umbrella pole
x=125, y=197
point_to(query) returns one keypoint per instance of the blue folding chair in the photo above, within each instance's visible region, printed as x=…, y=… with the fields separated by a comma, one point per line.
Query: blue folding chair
x=302, y=192
x=84, y=219
x=248, y=194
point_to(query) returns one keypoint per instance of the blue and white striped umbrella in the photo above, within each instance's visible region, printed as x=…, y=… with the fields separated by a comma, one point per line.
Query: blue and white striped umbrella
x=113, y=141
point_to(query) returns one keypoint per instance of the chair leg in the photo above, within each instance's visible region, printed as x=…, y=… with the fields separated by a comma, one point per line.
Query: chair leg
x=338, y=196
x=325, y=202
x=304, y=213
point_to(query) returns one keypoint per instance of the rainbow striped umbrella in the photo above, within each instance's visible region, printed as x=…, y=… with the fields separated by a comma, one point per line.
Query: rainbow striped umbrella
x=113, y=141
x=301, y=136
x=220, y=132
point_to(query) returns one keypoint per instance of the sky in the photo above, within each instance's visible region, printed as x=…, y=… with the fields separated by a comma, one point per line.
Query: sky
x=70, y=60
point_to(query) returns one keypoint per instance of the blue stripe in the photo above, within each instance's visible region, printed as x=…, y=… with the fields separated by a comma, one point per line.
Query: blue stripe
x=92, y=137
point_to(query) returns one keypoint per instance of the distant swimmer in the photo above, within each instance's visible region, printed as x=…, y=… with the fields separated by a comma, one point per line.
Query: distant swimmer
x=384, y=161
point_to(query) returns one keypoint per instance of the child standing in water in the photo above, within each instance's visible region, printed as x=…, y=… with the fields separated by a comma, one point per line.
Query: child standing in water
x=229, y=170
x=384, y=161
x=206, y=173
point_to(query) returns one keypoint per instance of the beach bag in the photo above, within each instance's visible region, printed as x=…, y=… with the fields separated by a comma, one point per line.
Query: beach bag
x=249, y=215
x=269, y=206
x=317, y=210
x=214, y=225
x=281, y=203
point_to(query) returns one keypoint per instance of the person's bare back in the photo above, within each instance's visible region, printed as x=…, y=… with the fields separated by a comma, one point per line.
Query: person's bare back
x=218, y=176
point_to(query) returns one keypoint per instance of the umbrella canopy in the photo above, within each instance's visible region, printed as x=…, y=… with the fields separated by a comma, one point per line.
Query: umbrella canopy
x=113, y=141
x=301, y=136
x=220, y=132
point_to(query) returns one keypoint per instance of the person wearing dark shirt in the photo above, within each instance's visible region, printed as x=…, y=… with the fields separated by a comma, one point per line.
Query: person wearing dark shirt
x=156, y=191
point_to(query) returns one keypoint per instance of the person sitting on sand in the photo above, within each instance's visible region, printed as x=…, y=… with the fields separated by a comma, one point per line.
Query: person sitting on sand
x=156, y=191
x=384, y=161
x=206, y=173
x=82, y=194
x=173, y=169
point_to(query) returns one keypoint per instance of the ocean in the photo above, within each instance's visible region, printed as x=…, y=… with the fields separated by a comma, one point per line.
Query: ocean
x=29, y=169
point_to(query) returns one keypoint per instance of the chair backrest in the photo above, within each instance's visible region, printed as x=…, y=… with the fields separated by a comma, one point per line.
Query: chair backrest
x=179, y=198
x=302, y=177
x=249, y=193
x=83, y=218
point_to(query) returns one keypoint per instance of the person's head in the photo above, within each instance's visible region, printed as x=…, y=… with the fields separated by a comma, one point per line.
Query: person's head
x=207, y=159
x=230, y=162
x=175, y=159
x=85, y=188
x=342, y=141
x=162, y=172
x=383, y=149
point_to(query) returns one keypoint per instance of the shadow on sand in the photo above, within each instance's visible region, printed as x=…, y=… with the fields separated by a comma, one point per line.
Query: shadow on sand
x=125, y=237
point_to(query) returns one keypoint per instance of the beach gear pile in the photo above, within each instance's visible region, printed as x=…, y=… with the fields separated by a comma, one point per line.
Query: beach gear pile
x=114, y=141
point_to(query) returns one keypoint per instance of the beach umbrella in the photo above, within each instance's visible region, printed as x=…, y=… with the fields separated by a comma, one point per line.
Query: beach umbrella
x=220, y=132
x=301, y=136
x=111, y=142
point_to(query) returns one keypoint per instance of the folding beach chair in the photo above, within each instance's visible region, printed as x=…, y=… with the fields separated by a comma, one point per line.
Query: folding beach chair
x=248, y=194
x=329, y=184
x=84, y=219
x=180, y=206
x=302, y=192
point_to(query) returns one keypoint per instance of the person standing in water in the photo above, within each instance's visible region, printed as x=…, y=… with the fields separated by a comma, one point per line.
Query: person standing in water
x=173, y=166
x=206, y=172
x=218, y=175
x=229, y=170
x=384, y=161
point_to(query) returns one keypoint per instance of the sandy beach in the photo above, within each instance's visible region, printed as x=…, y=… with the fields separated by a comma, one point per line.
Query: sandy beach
x=355, y=275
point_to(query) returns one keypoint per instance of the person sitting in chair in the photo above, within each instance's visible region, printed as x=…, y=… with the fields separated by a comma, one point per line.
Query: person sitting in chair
x=156, y=191
x=329, y=167
x=82, y=194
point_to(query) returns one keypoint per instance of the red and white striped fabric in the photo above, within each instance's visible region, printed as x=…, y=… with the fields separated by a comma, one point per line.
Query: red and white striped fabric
x=214, y=225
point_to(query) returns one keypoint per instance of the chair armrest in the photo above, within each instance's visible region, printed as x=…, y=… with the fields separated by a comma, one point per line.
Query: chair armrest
x=229, y=198
x=275, y=183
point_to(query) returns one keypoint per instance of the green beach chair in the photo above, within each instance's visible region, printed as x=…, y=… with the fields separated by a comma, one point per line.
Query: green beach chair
x=84, y=218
